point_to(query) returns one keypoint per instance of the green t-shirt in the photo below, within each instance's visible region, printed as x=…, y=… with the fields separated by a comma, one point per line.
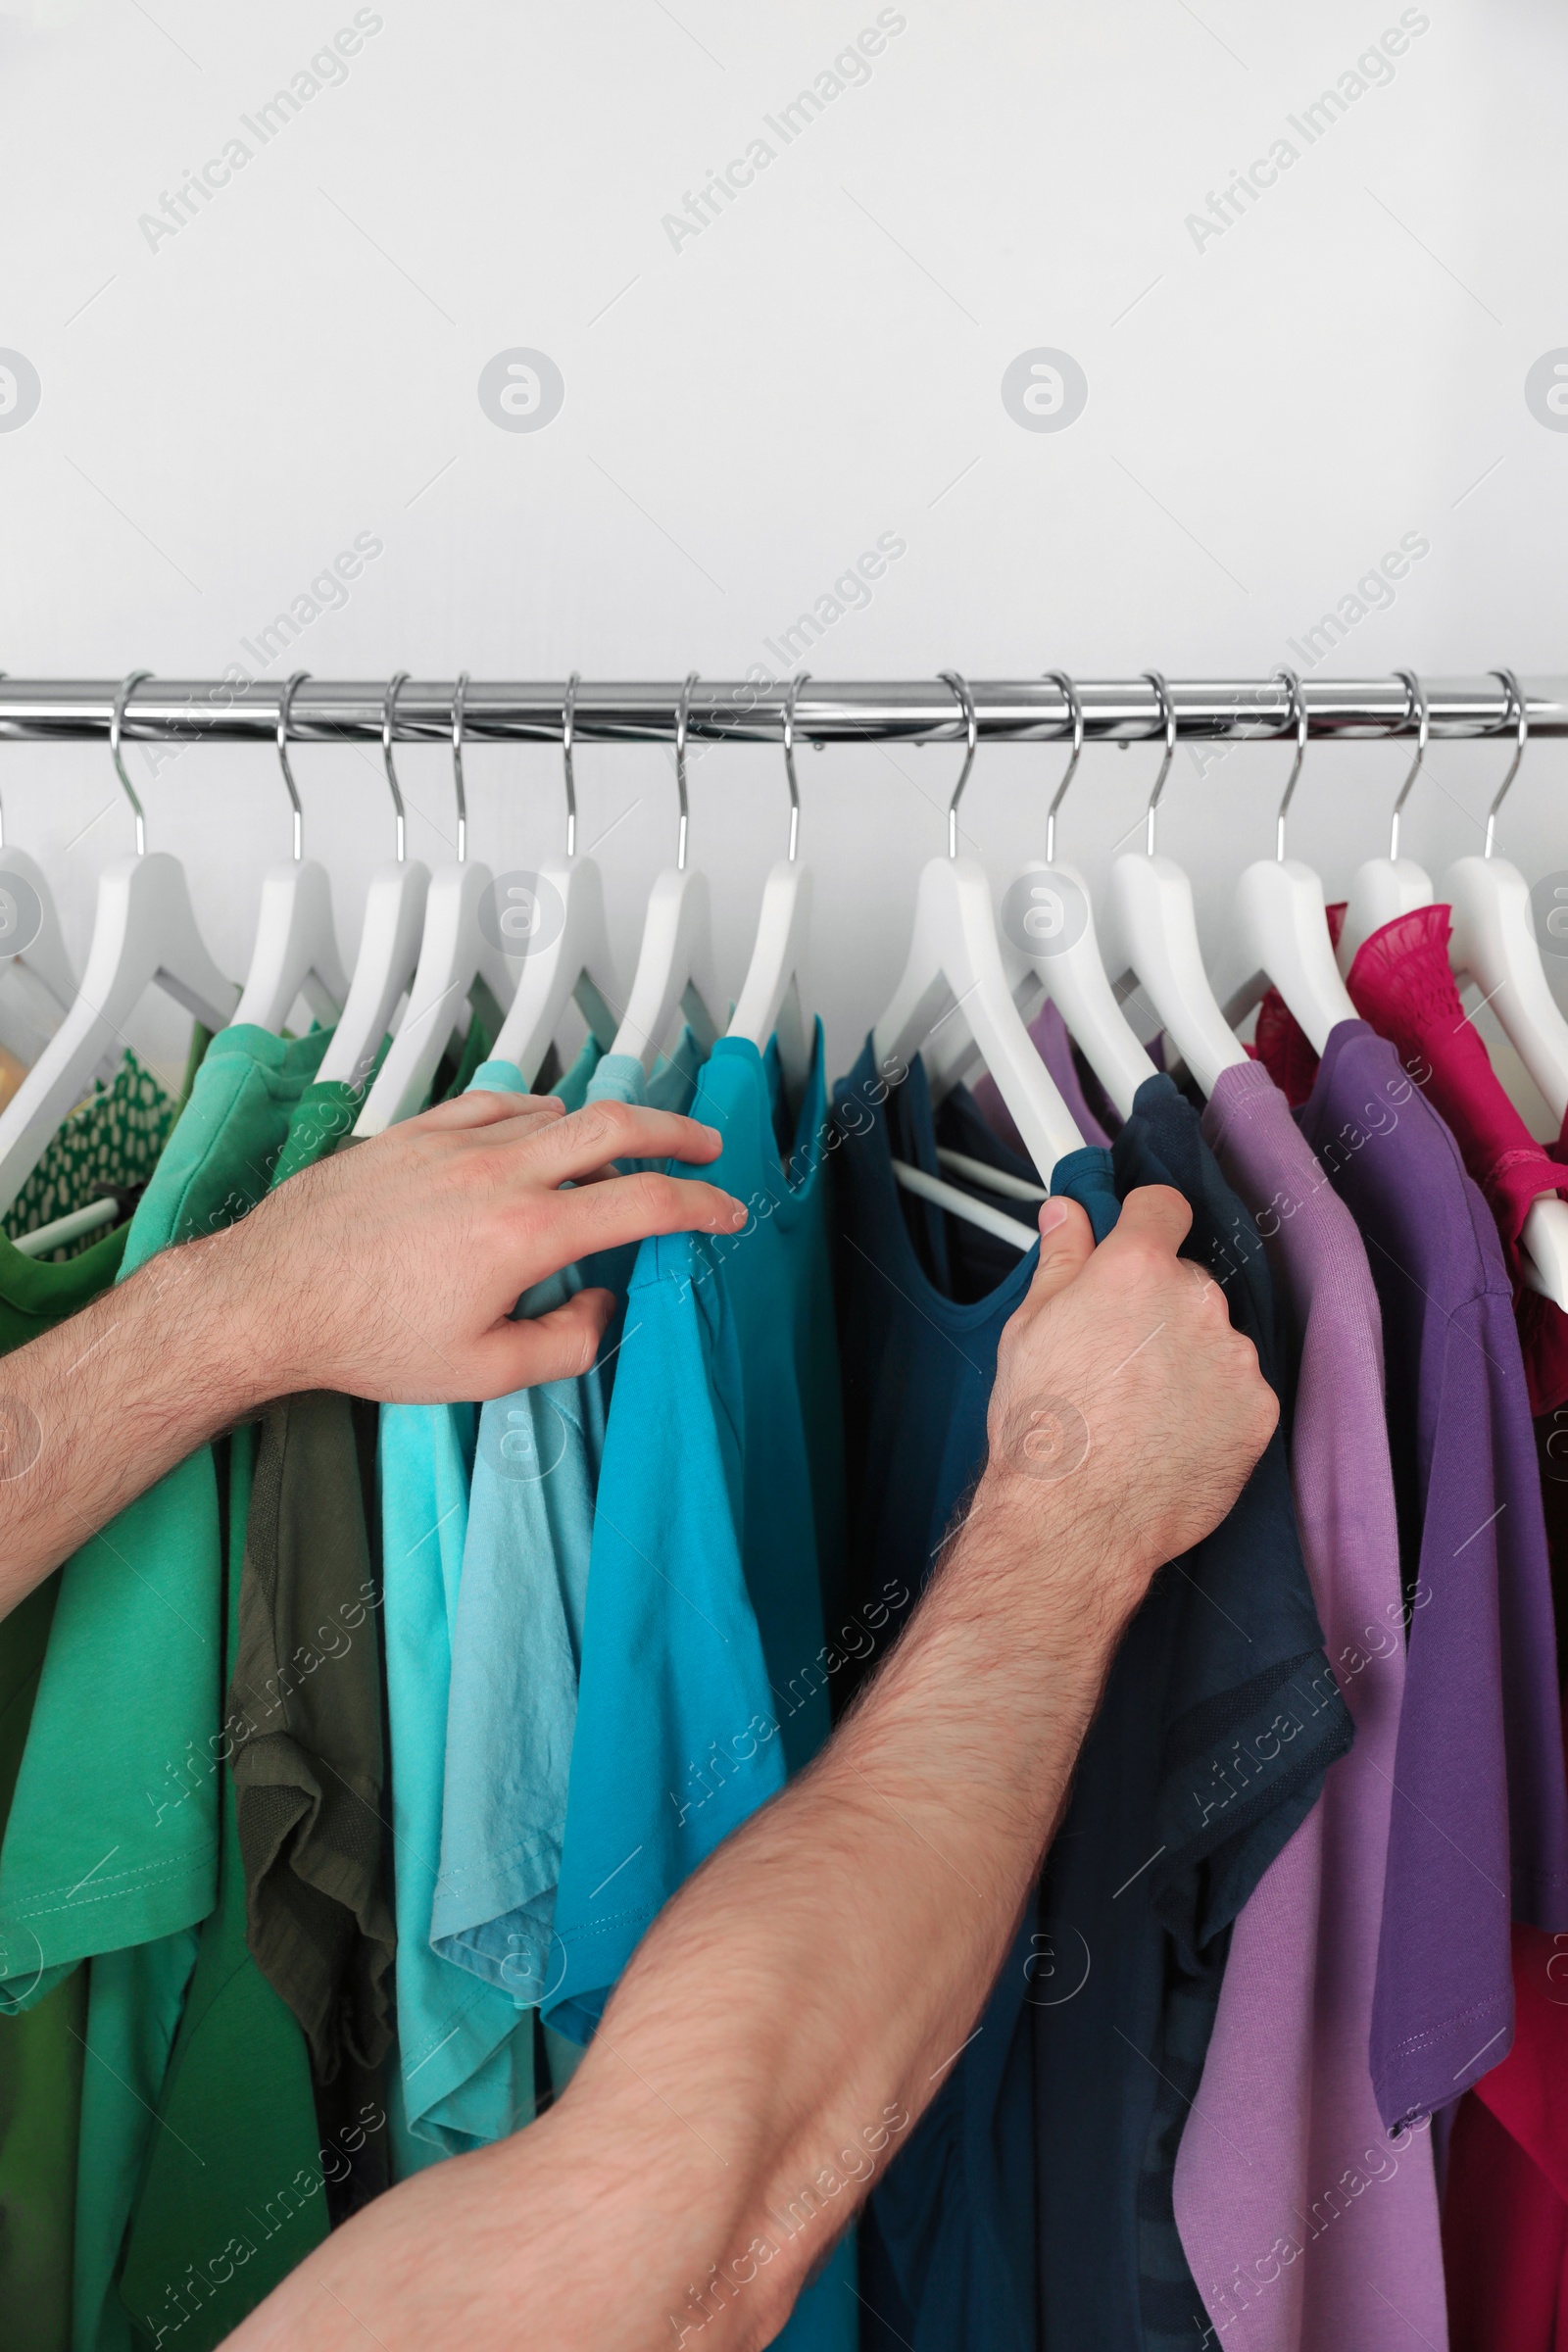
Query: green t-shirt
x=110, y=1848
x=41, y=2048
x=232, y=2197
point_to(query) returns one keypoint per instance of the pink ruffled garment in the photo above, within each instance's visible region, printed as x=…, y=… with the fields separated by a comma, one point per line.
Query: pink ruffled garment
x=1401, y=983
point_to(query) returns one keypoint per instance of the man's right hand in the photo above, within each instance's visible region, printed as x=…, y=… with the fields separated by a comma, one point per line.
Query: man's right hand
x=1125, y=1406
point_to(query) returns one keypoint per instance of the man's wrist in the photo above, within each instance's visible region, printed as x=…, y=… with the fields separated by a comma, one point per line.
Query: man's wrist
x=204, y=1305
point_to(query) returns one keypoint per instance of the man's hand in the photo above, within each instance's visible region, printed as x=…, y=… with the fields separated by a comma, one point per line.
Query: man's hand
x=389, y=1271
x=1126, y=1410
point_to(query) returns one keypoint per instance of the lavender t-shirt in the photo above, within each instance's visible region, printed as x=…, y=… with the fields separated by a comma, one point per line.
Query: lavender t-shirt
x=1479, y=1816
x=1306, y=2227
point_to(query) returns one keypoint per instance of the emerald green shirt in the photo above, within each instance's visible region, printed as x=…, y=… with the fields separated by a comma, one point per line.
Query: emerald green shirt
x=40, y=2048
x=110, y=1848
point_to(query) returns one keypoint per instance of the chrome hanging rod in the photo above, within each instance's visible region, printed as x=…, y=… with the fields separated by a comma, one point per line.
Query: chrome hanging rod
x=912, y=711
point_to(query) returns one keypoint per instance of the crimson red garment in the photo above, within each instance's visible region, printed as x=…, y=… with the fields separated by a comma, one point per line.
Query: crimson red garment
x=1402, y=983
x=1506, y=2200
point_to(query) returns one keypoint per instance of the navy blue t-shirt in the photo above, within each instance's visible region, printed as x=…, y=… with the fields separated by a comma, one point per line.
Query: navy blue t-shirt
x=947, y=2242
x=1220, y=1717
x=1032, y=2203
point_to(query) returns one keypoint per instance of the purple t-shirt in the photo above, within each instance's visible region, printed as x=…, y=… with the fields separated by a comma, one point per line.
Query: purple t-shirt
x=1260, y=2181
x=1480, y=1818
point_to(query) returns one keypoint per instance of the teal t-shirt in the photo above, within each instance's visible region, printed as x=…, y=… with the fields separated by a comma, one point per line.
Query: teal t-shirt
x=466, y=2039
x=517, y=1639
x=718, y=1530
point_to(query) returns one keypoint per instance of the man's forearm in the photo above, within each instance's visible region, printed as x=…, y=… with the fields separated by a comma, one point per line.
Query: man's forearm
x=799, y=2003
x=96, y=1411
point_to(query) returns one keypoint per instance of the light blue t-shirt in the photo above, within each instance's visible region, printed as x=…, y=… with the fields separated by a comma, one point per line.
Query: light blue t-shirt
x=465, y=2038
x=518, y=1634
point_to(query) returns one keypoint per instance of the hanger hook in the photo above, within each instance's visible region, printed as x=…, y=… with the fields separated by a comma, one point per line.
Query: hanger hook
x=389, y=707
x=1075, y=711
x=568, y=729
x=792, y=689
x=971, y=732
x=1167, y=720
x=683, y=710
x=117, y=723
x=460, y=695
x=1297, y=716
x=1415, y=706
x=1516, y=703
x=285, y=706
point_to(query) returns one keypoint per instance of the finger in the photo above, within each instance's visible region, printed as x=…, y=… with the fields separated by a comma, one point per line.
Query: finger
x=558, y=1345
x=1154, y=1212
x=483, y=1107
x=603, y=1131
x=1067, y=1243
x=628, y=1208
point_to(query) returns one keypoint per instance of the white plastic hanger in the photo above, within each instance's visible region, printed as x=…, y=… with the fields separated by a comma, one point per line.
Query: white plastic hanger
x=144, y=931
x=1385, y=888
x=296, y=946
x=1064, y=965
x=389, y=940
x=1494, y=942
x=1156, y=936
x=576, y=961
x=1281, y=916
x=40, y=978
x=995, y=1221
x=675, y=964
x=954, y=955
x=457, y=959
x=769, y=1002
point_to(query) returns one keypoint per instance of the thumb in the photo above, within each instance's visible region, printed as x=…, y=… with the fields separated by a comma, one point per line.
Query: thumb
x=558, y=1345
x=1067, y=1243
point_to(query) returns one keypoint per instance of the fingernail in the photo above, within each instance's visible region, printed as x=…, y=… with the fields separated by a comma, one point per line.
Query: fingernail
x=1051, y=1214
x=739, y=1212
x=713, y=1135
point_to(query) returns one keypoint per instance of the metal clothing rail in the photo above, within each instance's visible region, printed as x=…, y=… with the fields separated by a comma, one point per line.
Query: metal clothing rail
x=915, y=710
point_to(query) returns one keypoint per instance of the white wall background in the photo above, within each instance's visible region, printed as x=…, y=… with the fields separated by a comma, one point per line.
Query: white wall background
x=224, y=408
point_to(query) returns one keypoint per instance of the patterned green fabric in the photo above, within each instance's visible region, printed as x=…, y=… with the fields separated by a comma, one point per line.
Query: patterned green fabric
x=114, y=1138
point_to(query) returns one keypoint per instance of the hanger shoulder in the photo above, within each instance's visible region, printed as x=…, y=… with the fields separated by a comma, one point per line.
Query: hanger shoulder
x=955, y=953
x=296, y=949
x=574, y=962
x=675, y=968
x=1158, y=935
x=1494, y=941
x=144, y=931
x=1283, y=927
x=389, y=948
x=451, y=956
x=1072, y=970
x=45, y=956
x=1381, y=891
x=776, y=955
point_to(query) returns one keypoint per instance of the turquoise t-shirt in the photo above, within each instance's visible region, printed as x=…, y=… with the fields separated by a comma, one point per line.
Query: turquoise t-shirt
x=719, y=1529
x=518, y=1634
x=466, y=2040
